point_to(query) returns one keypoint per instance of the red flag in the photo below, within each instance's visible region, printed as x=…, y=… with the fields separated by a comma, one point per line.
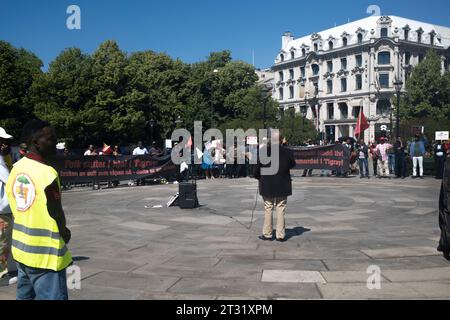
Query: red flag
x=361, y=124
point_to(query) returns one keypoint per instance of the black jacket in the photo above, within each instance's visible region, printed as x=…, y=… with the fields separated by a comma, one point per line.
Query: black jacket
x=444, y=209
x=364, y=149
x=279, y=184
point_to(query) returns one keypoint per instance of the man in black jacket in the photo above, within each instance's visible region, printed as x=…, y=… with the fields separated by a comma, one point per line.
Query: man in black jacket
x=444, y=213
x=363, y=159
x=275, y=188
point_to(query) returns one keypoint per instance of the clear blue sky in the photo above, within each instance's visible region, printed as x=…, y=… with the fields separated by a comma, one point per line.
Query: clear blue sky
x=190, y=30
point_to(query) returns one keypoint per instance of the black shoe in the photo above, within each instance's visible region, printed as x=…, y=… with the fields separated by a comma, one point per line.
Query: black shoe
x=265, y=238
x=421, y=177
x=281, y=240
x=368, y=177
x=447, y=255
x=439, y=248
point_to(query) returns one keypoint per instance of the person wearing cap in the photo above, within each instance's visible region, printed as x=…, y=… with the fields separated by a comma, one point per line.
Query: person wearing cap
x=383, y=158
x=8, y=268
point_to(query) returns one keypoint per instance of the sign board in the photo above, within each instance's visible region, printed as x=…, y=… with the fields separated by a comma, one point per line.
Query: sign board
x=252, y=141
x=168, y=144
x=442, y=135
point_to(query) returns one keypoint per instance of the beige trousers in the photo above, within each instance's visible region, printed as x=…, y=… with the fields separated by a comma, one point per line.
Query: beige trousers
x=383, y=168
x=280, y=206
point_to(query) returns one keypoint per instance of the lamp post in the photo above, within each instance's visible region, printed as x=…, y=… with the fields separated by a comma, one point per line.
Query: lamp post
x=266, y=93
x=398, y=87
x=152, y=124
x=303, y=111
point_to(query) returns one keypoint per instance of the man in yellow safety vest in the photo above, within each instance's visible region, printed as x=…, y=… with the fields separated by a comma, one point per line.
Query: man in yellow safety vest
x=39, y=234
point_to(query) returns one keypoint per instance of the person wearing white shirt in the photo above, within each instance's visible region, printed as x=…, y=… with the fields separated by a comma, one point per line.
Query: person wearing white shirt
x=140, y=150
x=6, y=220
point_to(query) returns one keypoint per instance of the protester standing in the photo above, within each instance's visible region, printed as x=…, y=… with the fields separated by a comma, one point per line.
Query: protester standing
x=33, y=191
x=383, y=158
x=400, y=159
x=391, y=159
x=8, y=268
x=417, y=151
x=374, y=156
x=275, y=189
x=440, y=155
x=363, y=155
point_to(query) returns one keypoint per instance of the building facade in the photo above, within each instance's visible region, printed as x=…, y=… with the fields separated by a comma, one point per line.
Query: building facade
x=331, y=75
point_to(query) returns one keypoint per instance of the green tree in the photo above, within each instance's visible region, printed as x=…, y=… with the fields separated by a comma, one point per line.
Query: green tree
x=18, y=69
x=64, y=93
x=427, y=91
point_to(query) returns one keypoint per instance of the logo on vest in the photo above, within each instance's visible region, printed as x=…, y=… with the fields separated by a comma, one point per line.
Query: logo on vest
x=24, y=192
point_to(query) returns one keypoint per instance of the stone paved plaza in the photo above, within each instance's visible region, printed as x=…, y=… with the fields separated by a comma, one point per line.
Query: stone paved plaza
x=337, y=228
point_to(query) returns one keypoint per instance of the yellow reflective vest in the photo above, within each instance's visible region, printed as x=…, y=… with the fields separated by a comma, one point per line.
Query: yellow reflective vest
x=36, y=241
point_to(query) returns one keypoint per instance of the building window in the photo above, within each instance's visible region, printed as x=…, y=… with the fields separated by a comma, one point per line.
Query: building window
x=359, y=60
x=281, y=76
x=344, y=63
x=407, y=58
x=282, y=57
x=291, y=74
x=384, y=32
x=343, y=85
x=360, y=38
x=419, y=36
x=344, y=41
x=407, y=75
x=303, y=72
x=358, y=82
x=343, y=108
x=316, y=88
x=383, y=107
x=280, y=93
x=330, y=66
x=330, y=109
x=329, y=86
x=421, y=57
x=330, y=45
x=356, y=111
x=292, y=55
x=384, y=58
x=406, y=34
x=432, y=39
x=291, y=92
x=315, y=69
x=316, y=47
x=384, y=80
x=303, y=52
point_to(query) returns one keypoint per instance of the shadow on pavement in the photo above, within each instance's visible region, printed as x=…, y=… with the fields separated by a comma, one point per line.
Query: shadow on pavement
x=297, y=231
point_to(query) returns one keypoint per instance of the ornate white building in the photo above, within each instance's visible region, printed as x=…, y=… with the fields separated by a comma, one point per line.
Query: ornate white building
x=331, y=75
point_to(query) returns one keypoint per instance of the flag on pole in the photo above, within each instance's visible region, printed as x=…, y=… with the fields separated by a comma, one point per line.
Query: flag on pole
x=361, y=124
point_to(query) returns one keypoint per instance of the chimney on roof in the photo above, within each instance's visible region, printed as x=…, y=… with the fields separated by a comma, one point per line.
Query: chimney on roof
x=286, y=38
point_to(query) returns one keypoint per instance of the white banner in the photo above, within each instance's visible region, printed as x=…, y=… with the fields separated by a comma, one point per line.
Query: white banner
x=442, y=135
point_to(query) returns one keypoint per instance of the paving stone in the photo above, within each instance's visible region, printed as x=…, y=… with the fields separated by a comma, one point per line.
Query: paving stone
x=427, y=274
x=422, y=211
x=215, y=220
x=360, y=291
x=143, y=226
x=131, y=281
x=401, y=252
x=346, y=276
x=292, y=276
